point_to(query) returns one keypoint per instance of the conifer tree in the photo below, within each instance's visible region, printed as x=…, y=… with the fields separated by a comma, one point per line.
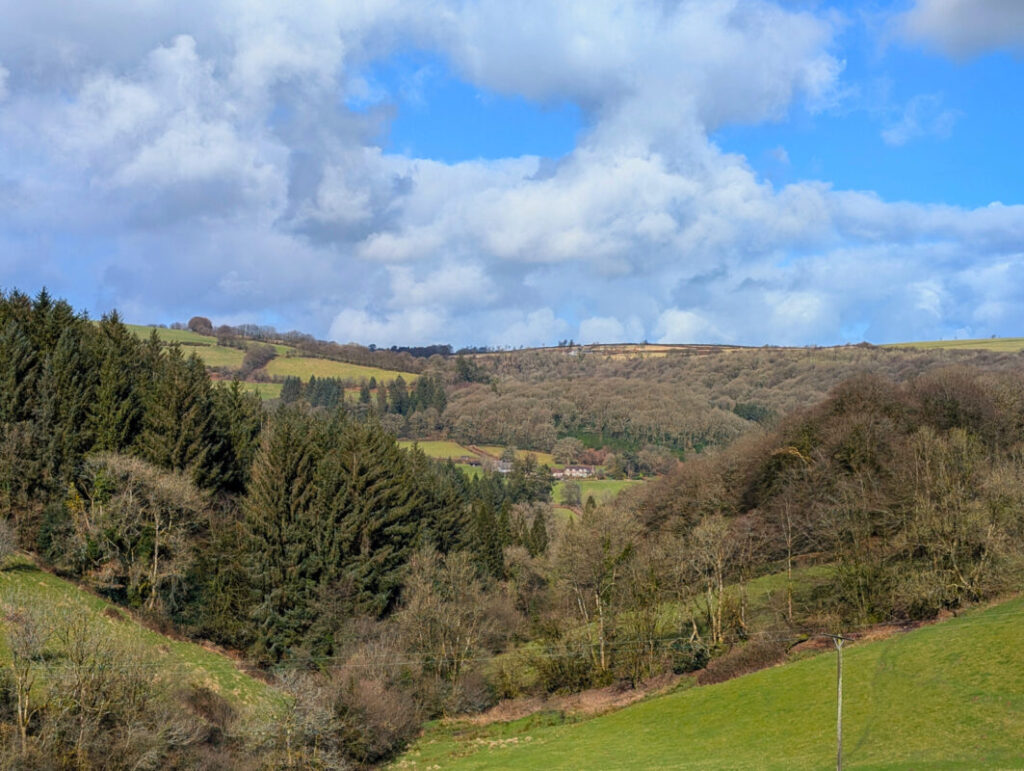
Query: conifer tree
x=291, y=391
x=18, y=372
x=66, y=390
x=279, y=528
x=115, y=415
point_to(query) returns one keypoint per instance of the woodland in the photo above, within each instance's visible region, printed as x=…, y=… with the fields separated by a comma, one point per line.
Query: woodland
x=376, y=588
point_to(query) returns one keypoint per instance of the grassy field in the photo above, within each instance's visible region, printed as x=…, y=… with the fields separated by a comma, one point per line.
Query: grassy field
x=265, y=390
x=470, y=471
x=183, y=336
x=602, y=489
x=949, y=696
x=434, y=448
x=1002, y=344
x=183, y=661
x=543, y=458
x=203, y=346
x=305, y=367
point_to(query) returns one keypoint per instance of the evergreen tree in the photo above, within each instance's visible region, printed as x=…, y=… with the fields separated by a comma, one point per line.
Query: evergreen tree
x=179, y=432
x=18, y=372
x=238, y=415
x=115, y=414
x=279, y=528
x=487, y=540
x=291, y=391
x=66, y=391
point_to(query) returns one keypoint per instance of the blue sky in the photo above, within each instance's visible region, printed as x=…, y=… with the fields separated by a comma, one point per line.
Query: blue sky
x=466, y=171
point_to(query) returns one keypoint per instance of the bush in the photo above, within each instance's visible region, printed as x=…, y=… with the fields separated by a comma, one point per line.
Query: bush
x=688, y=656
x=742, y=660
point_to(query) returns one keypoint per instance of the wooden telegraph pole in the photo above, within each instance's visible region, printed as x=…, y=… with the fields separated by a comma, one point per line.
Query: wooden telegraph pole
x=838, y=639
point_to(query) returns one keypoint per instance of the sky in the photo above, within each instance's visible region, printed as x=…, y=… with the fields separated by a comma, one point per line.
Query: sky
x=479, y=172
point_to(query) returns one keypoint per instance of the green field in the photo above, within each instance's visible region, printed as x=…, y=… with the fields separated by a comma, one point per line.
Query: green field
x=304, y=367
x=184, y=336
x=183, y=661
x=470, y=471
x=949, y=695
x=603, y=490
x=434, y=448
x=1002, y=344
x=203, y=346
x=543, y=458
x=265, y=390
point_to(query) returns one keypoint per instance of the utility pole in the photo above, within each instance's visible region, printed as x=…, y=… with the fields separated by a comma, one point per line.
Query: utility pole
x=838, y=639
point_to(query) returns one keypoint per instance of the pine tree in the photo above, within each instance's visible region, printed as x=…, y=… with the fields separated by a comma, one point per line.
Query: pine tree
x=178, y=429
x=238, y=416
x=115, y=415
x=291, y=391
x=66, y=391
x=279, y=530
x=18, y=373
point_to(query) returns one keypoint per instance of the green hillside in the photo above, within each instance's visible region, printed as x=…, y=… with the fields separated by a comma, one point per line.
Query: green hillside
x=949, y=695
x=178, y=661
x=204, y=346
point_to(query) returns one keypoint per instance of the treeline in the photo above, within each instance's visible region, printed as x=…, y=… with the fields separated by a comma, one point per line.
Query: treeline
x=911, y=491
x=680, y=401
x=273, y=533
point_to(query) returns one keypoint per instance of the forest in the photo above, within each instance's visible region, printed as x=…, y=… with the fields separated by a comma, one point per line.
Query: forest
x=377, y=588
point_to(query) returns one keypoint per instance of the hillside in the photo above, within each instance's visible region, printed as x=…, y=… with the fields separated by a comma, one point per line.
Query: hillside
x=948, y=695
x=173, y=660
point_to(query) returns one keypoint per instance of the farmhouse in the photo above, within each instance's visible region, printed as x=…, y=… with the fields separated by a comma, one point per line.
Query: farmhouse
x=574, y=472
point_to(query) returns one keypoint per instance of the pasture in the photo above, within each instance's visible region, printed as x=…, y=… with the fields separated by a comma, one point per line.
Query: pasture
x=185, y=662
x=949, y=695
x=304, y=367
x=603, y=490
x=438, y=448
x=999, y=344
x=543, y=458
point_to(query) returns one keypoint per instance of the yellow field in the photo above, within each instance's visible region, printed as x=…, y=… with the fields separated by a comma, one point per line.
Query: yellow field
x=543, y=458
x=305, y=367
x=1000, y=344
x=434, y=448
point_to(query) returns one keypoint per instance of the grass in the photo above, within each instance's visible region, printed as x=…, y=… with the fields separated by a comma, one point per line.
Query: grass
x=265, y=390
x=470, y=471
x=183, y=336
x=1001, y=344
x=304, y=367
x=603, y=490
x=183, y=661
x=947, y=696
x=438, y=448
x=204, y=346
x=543, y=458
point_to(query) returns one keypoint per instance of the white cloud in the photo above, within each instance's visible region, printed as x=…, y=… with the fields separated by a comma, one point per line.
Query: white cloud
x=202, y=156
x=608, y=329
x=966, y=27
x=410, y=327
x=4, y=74
x=924, y=115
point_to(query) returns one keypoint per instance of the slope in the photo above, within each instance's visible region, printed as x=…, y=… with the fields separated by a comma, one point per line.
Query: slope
x=949, y=695
x=179, y=661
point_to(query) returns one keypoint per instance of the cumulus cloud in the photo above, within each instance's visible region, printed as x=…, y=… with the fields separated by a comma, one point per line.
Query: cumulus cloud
x=966, y=27
x=208, y=158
